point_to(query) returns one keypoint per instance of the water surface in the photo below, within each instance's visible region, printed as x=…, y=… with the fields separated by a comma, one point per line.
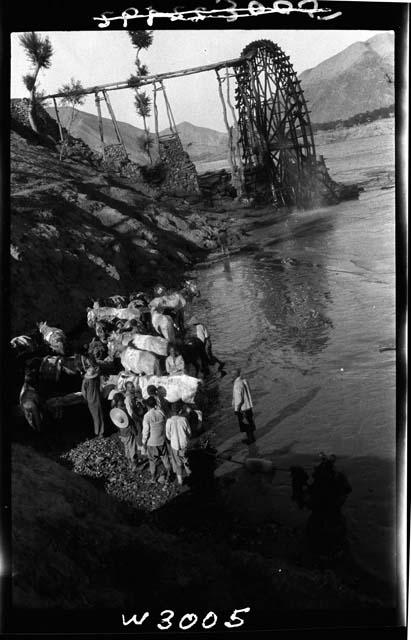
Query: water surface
x=305, y=316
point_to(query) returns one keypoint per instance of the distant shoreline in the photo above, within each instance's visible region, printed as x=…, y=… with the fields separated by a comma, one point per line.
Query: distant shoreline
x=384, y=126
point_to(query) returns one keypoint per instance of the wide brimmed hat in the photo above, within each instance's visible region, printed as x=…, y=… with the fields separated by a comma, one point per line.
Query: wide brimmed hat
x=119, y=418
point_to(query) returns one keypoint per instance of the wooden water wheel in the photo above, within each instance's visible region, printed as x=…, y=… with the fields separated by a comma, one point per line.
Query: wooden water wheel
x=274, y=123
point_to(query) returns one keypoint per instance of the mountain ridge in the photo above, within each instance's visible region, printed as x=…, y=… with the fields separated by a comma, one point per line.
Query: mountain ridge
x=352, y=81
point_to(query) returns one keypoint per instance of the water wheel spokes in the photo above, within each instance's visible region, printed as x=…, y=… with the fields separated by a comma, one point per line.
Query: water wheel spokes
x=274, y=120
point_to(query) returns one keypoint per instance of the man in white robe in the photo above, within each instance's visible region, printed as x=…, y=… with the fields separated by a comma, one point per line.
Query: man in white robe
x=243, y=407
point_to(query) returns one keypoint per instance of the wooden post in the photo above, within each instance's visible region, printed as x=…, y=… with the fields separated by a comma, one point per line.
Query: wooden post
x=171, y=120
x=156, y=117
x=239, y=160
x=100, y=120
x=58, y=120
x=230, y=144
x=114, y=121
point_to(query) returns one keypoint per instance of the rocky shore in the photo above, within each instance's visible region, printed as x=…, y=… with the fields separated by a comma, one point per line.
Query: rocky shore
x=78, y=233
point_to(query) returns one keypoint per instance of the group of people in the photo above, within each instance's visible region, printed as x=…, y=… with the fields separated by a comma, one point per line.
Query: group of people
x=150, y=428
x=154, y=430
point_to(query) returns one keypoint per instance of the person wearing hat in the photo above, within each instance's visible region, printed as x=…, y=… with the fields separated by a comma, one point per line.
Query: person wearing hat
x=90, y=390
x=203, y=335
x=154, y=438
x=243, y=407
x=126, y=429
x=178, y=433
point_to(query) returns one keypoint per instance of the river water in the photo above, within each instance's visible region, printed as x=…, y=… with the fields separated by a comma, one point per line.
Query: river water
x=305, y=315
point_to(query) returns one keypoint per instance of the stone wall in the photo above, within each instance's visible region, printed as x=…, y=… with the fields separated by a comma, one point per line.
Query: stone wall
x=116, y=159
x=19, y=113
x=181, y=174
x=115, y=156
x=48, y=127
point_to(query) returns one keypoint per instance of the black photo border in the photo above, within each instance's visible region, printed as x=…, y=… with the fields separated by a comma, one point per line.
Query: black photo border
x=65, y=16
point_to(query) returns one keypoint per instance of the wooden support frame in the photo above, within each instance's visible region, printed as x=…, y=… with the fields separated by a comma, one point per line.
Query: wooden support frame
x=58, y=120
x=100, y=120
x=236, y=134
x=271, y=125
x=151, y=79
x=155, y=110
x=114, y=121
x=171, y=121
x=227, y=126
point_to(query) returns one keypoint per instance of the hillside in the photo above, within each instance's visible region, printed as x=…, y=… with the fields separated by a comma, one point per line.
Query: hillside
x=353, y=81
x=85, y=126
x=78, y=233
x=201, y=143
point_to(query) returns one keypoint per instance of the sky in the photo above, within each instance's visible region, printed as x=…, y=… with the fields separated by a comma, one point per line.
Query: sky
x=97, y=57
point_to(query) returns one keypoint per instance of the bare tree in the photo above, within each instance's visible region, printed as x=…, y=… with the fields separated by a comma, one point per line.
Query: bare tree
x=39, y=51
x=73, y=98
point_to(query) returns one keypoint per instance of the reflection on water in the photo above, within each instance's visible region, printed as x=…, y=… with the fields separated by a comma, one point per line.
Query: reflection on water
x=305, y=316
x=227, y=268
x=294, y=302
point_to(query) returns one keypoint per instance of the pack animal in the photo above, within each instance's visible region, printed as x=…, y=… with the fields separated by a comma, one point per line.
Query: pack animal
x=117, y=301
x=175, y=302
x=133, y=359
x=26, y=344
x=155, y=344
x=174, y=388
x=60, y=375
x=109, y=314
x=54, y=337
x=163, y=324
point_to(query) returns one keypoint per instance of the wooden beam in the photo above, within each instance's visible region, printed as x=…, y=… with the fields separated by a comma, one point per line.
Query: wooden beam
x=153, y=78
x=156, y=117
x=58, y=120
